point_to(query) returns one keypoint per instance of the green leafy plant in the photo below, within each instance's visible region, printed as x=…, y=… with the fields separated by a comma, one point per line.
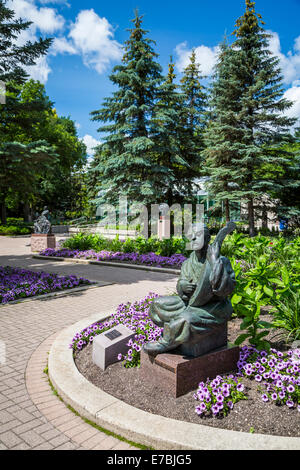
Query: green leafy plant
x=248, y=304
x=287, y=315
x=14, y=230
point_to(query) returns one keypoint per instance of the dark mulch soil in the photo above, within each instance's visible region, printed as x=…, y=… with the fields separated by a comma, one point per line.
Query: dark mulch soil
x=246, y=416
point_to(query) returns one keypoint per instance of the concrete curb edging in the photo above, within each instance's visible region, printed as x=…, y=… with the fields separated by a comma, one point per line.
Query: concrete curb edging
x=134, y=424
x=110, y=263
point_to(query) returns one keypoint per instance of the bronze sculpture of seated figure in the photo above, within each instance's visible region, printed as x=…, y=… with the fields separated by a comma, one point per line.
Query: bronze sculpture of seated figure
x=202, y=304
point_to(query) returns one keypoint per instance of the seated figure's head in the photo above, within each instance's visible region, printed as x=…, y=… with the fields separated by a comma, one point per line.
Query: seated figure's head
x=199, y=236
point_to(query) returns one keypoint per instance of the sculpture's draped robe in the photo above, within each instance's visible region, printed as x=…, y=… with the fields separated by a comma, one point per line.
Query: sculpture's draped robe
x=203, y=310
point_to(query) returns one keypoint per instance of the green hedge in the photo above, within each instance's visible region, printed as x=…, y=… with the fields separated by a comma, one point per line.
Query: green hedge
x=14, y=230
x=83, y=241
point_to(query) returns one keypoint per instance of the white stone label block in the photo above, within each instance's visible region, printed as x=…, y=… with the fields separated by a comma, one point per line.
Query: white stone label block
x=109, y=344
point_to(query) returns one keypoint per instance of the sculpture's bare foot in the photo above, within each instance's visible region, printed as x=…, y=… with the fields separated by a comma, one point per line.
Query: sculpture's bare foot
x=158, y=347
x=154, y=348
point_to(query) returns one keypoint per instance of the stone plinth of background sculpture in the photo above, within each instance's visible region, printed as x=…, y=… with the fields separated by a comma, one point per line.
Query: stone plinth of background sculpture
x=194, y=346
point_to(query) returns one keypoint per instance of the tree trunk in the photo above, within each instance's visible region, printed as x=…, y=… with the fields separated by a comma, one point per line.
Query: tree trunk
x=3, y=212
x=251, y=218
x=27, y=212
x=264, y=217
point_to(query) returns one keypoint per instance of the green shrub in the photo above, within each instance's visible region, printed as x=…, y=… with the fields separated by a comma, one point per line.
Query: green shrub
x=14, y=230
x=85, y=241
x=287, y=315
x=141, y=245
x=14, y=221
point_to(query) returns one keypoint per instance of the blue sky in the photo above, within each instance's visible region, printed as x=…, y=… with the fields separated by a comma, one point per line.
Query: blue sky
x=88, y=38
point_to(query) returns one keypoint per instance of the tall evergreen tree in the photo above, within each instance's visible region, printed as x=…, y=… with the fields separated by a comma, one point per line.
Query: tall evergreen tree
x=129, y=167
x=257, y=111
x=166, y=132
x=193, y=119
x=223, y=136
x=262, y=106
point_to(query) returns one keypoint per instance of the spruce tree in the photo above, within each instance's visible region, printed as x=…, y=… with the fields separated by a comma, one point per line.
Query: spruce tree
x=262, y=106
x=130, y=167
x=255, y=125
x=166, y=132
x=193, y=121
x=223, y=137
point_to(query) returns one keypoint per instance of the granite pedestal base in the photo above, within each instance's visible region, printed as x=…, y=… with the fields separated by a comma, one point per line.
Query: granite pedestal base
x=42, y=241
x=178, y=374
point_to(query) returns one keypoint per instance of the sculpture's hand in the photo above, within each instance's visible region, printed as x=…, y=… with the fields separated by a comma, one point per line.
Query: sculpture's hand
x=188, y=288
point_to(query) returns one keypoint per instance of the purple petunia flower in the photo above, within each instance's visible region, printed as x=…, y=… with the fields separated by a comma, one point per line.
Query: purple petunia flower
x=290, y=403
x=215, y=409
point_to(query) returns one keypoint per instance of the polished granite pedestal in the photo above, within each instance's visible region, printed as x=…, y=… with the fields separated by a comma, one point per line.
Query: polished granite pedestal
x=178, y=374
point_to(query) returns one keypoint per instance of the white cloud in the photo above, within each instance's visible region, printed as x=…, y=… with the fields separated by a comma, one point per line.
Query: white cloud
x=290, y=67
x=90, y=143
x=45, y=19
x=293, y=94
x=62, y=46
x=92, y=36
x=205, y=56
x=290, y=63
x=59, y=2
x=40, y=71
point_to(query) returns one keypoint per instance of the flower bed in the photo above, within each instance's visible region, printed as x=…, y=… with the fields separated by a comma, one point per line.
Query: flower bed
x=134, y=316
x=149, y=259
x=276, y=373
x=17, y=283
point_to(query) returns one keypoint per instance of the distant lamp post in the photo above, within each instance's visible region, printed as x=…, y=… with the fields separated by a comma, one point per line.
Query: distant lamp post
x=2, y=93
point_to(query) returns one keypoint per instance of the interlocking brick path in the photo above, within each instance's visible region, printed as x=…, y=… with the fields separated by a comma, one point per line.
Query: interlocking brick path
x=31, y=416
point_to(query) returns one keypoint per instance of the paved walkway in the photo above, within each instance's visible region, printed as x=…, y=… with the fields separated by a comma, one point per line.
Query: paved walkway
x=31, y=416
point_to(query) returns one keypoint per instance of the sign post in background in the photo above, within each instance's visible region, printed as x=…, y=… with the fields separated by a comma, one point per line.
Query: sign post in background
x=2, y=93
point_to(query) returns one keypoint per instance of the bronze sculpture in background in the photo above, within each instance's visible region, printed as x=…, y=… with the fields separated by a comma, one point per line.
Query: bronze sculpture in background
x=42, y=223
